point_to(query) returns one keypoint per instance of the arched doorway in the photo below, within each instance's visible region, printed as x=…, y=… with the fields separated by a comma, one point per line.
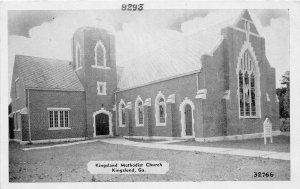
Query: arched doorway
x=188, y=120
x=186, y=109
x=102, y=124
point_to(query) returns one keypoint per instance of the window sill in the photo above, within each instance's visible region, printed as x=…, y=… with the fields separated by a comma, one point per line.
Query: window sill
x=140, y=125
x=101, y=94
x=101, y=67
x=161, y=124
x=17, y=129
x=59, y=128
x=122, y=125
x=79, y=68
x=249, y=117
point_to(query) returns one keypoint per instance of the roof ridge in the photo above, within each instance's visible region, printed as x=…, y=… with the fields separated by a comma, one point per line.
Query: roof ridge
x=45, y=58
x=173, y=42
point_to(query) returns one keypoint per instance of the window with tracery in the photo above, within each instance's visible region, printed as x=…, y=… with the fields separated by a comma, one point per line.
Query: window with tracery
x=247, y=86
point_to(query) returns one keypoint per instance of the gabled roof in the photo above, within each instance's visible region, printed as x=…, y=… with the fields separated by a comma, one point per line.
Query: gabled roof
x=43, y=73
x=180, y=57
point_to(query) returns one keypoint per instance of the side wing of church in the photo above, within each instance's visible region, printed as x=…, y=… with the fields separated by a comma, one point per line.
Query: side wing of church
x=213, y=84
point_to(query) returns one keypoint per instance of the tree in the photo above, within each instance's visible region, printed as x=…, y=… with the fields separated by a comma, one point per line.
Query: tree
x=283, y=94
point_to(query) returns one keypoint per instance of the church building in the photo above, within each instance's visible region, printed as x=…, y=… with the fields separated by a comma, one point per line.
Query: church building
x=216, y=84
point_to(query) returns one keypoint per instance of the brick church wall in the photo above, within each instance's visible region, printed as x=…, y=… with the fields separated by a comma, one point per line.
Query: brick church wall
x=87, y=38
x=40, y=100
x=188, y=88
x=234, y=41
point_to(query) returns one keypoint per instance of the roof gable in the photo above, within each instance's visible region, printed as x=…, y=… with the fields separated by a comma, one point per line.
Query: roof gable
x=180, y=57
x=43, y=73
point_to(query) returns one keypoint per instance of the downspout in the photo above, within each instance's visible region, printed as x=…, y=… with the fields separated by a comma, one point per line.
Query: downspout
x=116, y=119
x=28, y=109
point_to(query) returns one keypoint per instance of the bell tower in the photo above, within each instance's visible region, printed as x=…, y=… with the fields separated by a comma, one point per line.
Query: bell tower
x=95, y=65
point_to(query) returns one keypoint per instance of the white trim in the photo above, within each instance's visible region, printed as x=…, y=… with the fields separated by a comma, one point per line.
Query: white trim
x=157, y=118
x=201, y=94
x=58, y=109
x=156, y=137
x=147, y=102
x=208, y=139
x=128, y=106
x=65, y=90
x=236, y=137
x=110, y=120
x=76, y=57
x=120, y=113
x=103, y=84
x=182, y=119
x=78, y=68
x=244, y=19
x=160, y=80
x=247, y=46
x=58, y=128
x=100, y=67
x=241, y=30
x=99, y=43
x=268, y=98
x=226, y=95
x=171, y=98
x=49, y=140
x=136, y=112
x=276, y=100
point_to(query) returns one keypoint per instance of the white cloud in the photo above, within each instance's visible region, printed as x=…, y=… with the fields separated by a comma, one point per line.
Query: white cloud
x=138, y=35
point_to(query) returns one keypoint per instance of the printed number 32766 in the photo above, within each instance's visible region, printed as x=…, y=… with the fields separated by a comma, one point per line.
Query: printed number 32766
x=132, y=7
x=263, y=174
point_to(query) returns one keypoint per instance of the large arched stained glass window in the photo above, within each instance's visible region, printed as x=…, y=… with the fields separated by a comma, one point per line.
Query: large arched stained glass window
x=247, y=86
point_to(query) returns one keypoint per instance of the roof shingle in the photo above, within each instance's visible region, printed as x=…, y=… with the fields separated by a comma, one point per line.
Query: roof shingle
x=44, y=73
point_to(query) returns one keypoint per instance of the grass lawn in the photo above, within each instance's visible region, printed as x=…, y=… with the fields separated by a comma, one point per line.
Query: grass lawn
x=280, y=144
x=69, y=164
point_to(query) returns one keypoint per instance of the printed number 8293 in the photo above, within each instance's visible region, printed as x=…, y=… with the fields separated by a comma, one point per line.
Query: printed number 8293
x=263, y=174
x=132, y=7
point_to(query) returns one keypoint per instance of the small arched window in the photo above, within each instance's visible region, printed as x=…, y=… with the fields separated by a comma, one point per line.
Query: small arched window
x=247, y=86
x=139, y=112
x=100, y=55
x=78, y=56
x=160, y=110
x=122, y=121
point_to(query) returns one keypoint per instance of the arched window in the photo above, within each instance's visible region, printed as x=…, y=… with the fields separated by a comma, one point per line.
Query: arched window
x=139, y=112
x=78, y=56
x=247, y=86
x=160, y=109
x=122, y=114
x=100, y=55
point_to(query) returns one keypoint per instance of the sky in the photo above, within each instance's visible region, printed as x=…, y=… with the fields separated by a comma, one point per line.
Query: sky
x=48, y=33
